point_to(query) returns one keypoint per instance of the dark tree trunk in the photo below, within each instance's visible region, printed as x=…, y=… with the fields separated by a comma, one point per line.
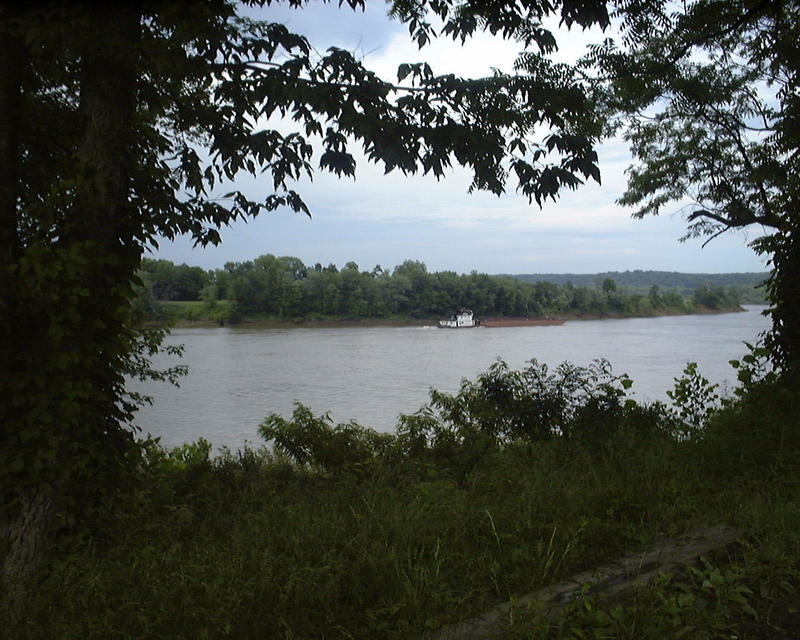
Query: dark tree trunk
x=27, y=538
x=784, y=294
x=24, y=525
x=66, y=331
x=107, y=106
x=12, y=64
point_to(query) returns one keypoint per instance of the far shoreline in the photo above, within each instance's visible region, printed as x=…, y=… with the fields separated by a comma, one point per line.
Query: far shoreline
x=412, y=322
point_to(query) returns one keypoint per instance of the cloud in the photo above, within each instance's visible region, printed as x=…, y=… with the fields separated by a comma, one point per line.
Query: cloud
x=396, y=198
x=327, y=25
x=384, y=219
x=475, y=59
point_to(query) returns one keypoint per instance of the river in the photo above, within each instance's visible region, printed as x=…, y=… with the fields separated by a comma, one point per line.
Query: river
x=372, y=374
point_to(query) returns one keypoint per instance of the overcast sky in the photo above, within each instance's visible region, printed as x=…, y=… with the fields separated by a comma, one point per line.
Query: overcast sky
x=384, y=220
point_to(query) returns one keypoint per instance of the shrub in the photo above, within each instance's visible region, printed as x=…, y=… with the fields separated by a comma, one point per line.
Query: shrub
x=314, y=440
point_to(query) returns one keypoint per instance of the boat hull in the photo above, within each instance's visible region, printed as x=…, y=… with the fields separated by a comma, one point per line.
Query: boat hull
x=522, y=322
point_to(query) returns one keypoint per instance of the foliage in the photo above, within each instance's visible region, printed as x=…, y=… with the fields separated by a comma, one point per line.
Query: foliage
x=757, y=432
x=503, y=406
x=314, y=440
x=641, y=280
x=191, y=454
x=96, y=166
x=754, y=369
x=251, y=545
x=747, y=287
x=218, y=312
x=706, y=93
x=286, y=289
x=694, y=401
x=715, y=298
x=455, y=432
x=168, y=281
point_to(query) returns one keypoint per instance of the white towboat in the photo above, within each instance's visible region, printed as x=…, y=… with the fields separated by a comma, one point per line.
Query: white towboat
x=463, y=319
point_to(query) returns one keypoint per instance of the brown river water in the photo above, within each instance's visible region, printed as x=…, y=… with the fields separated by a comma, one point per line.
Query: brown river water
x=372, y=374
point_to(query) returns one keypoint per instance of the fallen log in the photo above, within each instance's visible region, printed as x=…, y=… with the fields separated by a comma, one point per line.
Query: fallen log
x=610, y=582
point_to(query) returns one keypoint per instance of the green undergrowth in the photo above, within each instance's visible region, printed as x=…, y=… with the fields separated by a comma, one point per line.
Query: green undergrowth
x=515, y=482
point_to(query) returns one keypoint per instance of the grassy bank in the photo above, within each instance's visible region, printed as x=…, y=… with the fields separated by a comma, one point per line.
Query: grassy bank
x=198, y=314
x=486, y=495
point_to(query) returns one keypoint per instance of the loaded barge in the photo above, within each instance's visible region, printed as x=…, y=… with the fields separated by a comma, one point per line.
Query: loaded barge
x=522, y=322
x=465, y=319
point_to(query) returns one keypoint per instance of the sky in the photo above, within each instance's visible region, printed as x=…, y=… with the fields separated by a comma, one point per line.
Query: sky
x=384, y=220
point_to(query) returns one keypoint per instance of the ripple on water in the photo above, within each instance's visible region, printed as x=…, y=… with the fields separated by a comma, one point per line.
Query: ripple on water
x=372, y=374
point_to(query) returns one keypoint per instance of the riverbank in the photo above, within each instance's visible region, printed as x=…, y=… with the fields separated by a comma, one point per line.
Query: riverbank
x=389, y=536
x=321, y=323
x=664, y=313
x=188, y=314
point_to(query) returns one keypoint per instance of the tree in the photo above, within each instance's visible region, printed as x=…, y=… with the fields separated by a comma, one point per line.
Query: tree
x=709, y=101
x=654, y=296
x=150, y=148
x=174, y=282
x=713, y=297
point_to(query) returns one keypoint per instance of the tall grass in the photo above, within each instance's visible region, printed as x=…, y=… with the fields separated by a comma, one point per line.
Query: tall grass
x=253, y=545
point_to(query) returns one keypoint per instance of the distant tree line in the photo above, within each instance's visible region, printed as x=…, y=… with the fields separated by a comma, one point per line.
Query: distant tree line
x=287, y=289
x=749, y=285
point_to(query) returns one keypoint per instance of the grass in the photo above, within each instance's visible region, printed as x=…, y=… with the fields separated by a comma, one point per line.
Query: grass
x=191, y=313
x=253, y=545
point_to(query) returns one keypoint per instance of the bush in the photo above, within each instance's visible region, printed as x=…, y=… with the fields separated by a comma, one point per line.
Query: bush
x=532, y=405
x=585, y=405
x=758, y=432
x=314, y=440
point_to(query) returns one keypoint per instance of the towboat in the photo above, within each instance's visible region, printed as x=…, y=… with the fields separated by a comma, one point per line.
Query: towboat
x=462, y=320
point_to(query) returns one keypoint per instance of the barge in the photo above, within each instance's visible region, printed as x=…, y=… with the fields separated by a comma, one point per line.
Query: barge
x=465, y=319
x=545, y=321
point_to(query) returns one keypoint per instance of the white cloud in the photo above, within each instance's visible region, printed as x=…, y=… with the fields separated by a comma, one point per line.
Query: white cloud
x=473, y=60
x=383, y=219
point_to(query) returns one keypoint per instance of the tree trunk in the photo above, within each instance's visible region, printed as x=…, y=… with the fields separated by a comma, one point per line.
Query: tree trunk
x=27, y=538
x=107, y=105
x=784, y=294
x=25, y=516
x=12, y=64
x=63, y=437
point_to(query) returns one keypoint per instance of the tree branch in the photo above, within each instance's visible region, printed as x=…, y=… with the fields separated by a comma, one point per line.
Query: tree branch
x=251, y=66
x=683, y=49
